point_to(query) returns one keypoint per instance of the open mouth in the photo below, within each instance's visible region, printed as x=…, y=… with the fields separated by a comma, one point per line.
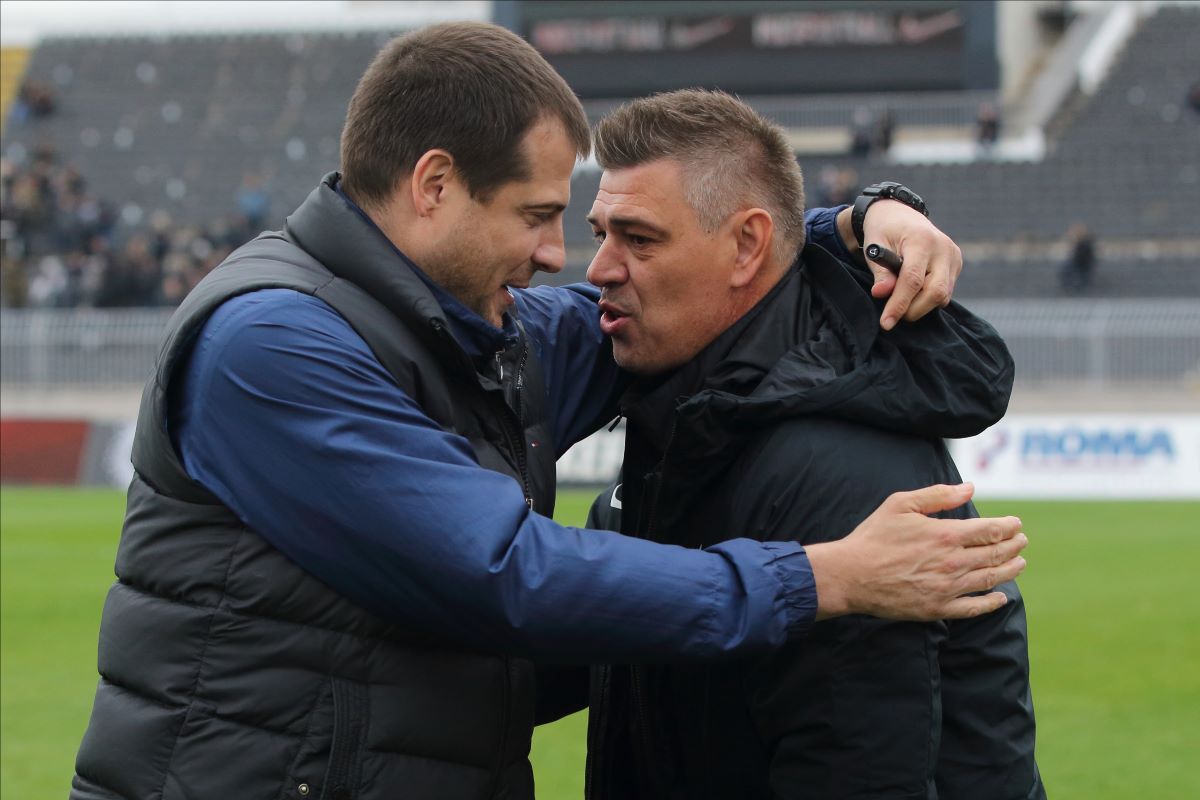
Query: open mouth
x=612, y=319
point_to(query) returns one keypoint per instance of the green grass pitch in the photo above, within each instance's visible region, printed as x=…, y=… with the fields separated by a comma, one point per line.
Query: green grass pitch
x=1114, y=620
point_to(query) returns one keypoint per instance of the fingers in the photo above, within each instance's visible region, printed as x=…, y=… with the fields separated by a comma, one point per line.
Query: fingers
x=935, y=284
x=908, y=285
x=933, y=499
x=965, y=607
x=956, y=266
x=885, y=280
x=981, y=580
x=942, y=260
x=986, y=531
x=931, y=266
x=993, y=555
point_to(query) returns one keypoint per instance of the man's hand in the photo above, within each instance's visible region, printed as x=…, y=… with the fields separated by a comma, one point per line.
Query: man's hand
x=932, y=261
x=901, y=564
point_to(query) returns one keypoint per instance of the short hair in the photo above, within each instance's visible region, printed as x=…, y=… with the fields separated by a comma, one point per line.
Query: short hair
x=471, y=88
x=730, y=157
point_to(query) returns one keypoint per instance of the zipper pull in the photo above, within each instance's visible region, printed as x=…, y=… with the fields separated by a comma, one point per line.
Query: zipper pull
x=500, y=364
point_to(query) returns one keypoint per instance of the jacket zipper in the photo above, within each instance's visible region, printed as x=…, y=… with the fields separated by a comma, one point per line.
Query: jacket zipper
x=652, y=517
x=639, y=697
x=521, y=380
x=643, y=726
x=516, y=435
x=593, y=790
x=516, y=441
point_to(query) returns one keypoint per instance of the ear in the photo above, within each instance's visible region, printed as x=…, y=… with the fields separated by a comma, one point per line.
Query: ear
x=752, y=232
x=431, y=177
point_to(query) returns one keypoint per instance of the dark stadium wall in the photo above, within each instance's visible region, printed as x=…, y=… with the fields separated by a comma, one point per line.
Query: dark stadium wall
x=753, y=47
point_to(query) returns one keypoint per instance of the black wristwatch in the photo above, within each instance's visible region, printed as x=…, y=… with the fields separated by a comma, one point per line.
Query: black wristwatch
x=886, y=190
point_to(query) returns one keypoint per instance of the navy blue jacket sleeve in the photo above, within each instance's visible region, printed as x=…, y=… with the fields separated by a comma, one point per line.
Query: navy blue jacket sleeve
x=285, y=415
x=582, y=380
x=820, y=225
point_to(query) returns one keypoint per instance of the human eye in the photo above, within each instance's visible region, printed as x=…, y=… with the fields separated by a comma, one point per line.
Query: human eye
x=536, y=219
x=598, y=237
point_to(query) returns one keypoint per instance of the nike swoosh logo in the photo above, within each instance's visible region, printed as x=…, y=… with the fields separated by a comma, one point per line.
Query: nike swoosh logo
x=685, y=37
x=915, y=31
x=615, y=500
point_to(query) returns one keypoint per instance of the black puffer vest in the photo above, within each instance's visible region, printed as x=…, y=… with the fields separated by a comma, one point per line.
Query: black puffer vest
x=227, y=672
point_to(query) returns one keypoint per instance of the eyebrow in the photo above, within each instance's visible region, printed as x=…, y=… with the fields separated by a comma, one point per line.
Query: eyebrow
x=552, y=207
x=617, y=221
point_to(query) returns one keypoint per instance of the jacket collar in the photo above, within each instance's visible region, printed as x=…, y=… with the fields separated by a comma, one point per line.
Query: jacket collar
x=339, y=234
x=650, y=402
x=819, y=317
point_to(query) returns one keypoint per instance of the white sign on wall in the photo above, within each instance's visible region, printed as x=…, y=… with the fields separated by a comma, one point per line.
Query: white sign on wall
x=1086, y=456
x=1024, y=456
x=596, y=460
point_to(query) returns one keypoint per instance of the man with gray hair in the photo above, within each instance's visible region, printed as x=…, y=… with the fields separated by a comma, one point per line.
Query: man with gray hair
x=338, y=575
x=769, y=401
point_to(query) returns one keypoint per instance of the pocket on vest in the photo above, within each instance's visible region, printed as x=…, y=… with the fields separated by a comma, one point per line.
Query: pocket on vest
x=329, y=761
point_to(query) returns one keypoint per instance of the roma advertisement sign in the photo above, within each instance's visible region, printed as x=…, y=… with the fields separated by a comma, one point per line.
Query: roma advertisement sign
x=1084, y=456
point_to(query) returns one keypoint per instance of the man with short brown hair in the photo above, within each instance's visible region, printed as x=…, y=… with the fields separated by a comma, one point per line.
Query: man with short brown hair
x=767, y=398
x=338, y=560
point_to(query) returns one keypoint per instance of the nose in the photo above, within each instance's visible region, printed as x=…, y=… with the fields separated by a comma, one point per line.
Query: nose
x=551, y=253
x=606, y=268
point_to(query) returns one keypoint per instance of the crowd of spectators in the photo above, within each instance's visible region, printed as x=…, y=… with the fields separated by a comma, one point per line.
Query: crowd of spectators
x=64, y=247
x=34, y=100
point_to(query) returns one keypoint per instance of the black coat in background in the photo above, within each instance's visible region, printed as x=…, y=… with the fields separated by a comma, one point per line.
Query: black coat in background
x=796, y=423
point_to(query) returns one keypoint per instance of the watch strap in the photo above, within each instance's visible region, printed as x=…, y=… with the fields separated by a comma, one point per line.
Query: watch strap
x=885, y=190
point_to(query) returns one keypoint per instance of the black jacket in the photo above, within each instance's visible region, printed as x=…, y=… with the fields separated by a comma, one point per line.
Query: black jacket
x=796, y=423
x=227, y=671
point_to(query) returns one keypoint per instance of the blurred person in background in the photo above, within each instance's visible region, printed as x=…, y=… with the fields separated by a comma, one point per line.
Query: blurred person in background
x=884, y=132
x=34, y=100
x=862, y=133
x=1075, y=275
x=253, y=203
x=836, y=186
x=987, y=127
x=767, y=399
x=338, y=565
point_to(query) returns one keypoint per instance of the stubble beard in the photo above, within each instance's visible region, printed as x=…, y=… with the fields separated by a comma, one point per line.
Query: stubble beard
x=462, y=269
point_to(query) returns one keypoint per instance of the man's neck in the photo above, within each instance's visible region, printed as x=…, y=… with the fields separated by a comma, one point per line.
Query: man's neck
x=749, y=300
x=769, y=276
